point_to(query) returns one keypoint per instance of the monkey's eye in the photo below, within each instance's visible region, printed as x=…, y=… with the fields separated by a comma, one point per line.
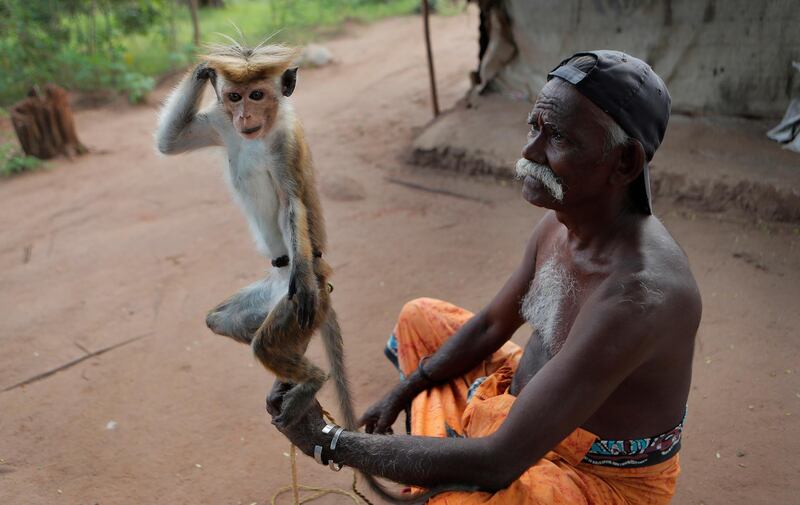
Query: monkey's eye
x=234, y=97
x=256, y=95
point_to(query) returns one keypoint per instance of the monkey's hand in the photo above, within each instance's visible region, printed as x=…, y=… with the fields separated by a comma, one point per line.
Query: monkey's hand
x=307, y=431
x=203, y=73
x=303, y=292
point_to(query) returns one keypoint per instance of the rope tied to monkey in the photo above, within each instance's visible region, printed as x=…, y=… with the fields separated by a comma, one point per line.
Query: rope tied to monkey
x=317, y=492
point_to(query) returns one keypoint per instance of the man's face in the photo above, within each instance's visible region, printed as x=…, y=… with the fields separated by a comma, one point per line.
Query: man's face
x=563, y=163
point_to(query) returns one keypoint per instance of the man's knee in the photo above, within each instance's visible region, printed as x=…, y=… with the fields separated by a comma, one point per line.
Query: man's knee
x=415, y=309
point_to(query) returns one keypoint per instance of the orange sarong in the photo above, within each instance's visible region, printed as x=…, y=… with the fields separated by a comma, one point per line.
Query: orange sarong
x=558, y=478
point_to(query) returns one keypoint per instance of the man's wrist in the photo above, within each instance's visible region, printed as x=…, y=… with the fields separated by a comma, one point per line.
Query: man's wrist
x=420, y=379
x=326, y=444
x=414, y=384
x=409, y=389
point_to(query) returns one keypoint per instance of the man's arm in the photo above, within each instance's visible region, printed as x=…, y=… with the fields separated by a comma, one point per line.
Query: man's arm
x=613, y=335
x=478, y=338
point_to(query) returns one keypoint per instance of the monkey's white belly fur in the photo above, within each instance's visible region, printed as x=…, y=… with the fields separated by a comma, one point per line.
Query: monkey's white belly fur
x=262, y=200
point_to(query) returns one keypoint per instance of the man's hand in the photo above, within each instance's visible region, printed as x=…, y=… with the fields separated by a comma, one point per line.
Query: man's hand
x=380, y=416
x=306, y=432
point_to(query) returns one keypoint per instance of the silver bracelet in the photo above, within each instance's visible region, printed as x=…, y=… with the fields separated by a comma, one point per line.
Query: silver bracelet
x=318, y=448
x=336, y=438
x=327, y=430
x=335, y=466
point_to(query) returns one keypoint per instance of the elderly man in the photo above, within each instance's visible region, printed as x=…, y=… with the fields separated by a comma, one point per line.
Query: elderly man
x=591, y=410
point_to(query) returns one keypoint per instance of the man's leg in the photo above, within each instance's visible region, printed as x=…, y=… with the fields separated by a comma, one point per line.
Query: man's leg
x=423, y=326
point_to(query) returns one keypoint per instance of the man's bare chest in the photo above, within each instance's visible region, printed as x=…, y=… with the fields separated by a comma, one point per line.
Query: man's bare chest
x=552, y=303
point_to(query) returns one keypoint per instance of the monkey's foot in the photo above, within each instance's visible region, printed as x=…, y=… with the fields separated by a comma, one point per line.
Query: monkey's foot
x=296, y=402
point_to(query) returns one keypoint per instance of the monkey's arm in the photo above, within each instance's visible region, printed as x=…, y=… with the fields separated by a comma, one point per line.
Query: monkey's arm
x=181, y=127
x=303, y=283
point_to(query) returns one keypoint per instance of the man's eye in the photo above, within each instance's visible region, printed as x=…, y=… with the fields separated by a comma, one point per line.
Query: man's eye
x=234, y=97
x=534, y=128
x=256, y=95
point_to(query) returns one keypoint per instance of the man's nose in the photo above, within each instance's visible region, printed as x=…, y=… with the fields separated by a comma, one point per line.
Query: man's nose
x=534, y=149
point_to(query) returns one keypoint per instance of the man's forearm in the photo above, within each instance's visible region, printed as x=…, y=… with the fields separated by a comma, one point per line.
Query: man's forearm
x=462, y=352
x=421, y=461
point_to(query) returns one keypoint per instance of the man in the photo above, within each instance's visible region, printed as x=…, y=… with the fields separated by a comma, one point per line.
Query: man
x=591, y=410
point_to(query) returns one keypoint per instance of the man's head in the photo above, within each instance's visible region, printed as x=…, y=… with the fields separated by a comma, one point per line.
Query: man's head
x=595, y=125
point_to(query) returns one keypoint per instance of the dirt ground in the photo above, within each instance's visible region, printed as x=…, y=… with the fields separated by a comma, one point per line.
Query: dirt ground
x=126, y=247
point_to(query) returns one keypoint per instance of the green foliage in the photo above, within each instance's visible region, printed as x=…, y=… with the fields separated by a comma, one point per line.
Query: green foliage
x=136, y=86
x=14, y=162
x=78, y=44
x=138, y=17
x=122, y=44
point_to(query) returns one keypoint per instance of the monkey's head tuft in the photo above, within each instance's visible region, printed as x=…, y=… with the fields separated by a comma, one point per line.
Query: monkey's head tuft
x=241, y=64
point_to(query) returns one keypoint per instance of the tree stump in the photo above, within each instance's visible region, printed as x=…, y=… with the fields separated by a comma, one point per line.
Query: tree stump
x=44, y=124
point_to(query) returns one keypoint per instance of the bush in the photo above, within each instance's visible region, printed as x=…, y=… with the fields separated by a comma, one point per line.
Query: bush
x=12, y=161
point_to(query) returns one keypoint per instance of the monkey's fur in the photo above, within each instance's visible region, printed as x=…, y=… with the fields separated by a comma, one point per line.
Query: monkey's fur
x=272, y=177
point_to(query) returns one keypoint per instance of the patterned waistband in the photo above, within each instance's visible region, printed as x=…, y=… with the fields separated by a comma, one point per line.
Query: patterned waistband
x=638, y=452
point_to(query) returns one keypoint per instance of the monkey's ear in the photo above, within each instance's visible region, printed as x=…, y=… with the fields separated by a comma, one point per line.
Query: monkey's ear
x=288, y=81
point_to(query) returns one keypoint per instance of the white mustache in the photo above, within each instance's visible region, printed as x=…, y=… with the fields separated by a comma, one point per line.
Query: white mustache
x=543, y=174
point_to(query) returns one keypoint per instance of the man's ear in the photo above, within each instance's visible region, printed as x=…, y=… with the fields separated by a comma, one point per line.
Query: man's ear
x=631, y=162
x=288, y=81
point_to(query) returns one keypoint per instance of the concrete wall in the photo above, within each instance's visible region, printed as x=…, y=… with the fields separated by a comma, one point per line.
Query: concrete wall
x=716, y=56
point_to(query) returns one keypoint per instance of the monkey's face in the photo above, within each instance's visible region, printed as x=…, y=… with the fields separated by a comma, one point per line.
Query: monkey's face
x=252, y=106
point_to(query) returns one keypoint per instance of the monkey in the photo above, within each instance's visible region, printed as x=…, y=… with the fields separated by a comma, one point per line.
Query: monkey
x=271, y=176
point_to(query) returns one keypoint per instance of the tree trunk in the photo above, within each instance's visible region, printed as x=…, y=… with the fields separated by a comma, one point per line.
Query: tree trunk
x=195, y=21
x=44, y=124
x=212, y=3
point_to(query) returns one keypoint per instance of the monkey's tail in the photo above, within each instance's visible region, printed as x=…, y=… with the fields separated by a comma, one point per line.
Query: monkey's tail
x=415, y=499
x=334, y=347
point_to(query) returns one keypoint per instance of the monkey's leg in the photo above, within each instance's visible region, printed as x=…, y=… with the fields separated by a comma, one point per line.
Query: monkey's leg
x=279, y=345
x=240, y=316
x=308, y=380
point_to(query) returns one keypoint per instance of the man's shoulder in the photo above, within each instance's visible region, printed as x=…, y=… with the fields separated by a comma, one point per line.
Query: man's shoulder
x=544, y=230
x=655, y=275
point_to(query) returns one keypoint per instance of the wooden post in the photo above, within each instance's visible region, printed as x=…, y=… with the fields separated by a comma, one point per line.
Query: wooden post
x=44, y=124
x=195, y=21
x=431, y=74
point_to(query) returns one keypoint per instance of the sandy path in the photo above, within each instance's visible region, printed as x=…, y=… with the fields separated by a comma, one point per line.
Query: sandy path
x=126, y=245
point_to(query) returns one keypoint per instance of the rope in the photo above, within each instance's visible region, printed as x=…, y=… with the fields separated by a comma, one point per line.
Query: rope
x=317, y=492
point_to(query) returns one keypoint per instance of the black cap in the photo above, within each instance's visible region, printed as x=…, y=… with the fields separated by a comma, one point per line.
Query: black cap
x=629, y=91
